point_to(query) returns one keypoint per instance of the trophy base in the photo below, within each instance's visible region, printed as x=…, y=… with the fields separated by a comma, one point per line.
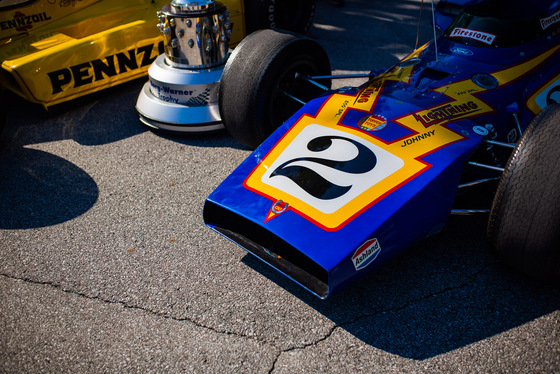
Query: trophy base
x=180, y=100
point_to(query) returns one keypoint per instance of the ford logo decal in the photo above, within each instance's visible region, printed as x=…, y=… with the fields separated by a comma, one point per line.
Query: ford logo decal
x=462, y=51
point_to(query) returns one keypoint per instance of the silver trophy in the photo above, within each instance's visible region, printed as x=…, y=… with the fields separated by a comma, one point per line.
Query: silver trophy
x=181, y=94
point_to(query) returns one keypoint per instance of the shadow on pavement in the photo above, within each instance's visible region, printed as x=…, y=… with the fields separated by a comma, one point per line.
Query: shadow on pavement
x=370, y=34
x=441, y=295
x=38, y=189
x=96, y=119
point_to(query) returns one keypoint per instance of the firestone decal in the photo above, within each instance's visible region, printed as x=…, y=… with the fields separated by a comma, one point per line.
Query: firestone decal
x=342, y=108
x=480, y=36
x=551, y=20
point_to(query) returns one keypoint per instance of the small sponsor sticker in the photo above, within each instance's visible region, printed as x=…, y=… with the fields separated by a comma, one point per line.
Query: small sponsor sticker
x=482, y=131
x=551, y=20
x=374, y=122
x=366, y=253
x=484, y=37
x=446, y=113
x=277, y=208
x=461, y=51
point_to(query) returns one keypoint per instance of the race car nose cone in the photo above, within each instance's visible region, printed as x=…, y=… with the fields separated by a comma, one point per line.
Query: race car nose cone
x=181, y=94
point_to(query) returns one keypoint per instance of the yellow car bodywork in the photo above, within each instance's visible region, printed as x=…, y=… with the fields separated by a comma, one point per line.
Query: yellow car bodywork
x=54, y=51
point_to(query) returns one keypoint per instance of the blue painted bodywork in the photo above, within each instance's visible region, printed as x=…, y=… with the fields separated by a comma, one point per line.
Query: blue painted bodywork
x=323, y=259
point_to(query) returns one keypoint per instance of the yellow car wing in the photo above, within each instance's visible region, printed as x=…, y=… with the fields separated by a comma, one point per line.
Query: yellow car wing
x=99, y=46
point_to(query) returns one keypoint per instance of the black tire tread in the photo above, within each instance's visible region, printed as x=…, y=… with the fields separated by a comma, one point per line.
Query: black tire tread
x=524, y=224
x=244, y=87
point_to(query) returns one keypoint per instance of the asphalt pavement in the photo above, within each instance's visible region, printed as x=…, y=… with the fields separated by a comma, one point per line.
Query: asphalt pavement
x=107, y=266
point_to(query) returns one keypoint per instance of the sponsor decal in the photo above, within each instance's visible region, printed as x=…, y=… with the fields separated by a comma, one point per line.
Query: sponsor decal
x=366, y=253
x=484, y=37
x=549, y=21
x=31, y=39
x=482, y=131
x=418, y=138
x=445, y=113
x=366, y=98
x=278, y=207
x=370, y=92
x=329, y=173
x=170, y=91
x=464, y=102
x=342, y=108
x=374, y=122
x=87, y=72
x=193, y=97
x=22, y=22
x=461, y=51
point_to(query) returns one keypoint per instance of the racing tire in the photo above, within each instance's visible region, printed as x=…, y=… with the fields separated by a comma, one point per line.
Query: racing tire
x=292, y=15
x=264, y=66
x=524, y=223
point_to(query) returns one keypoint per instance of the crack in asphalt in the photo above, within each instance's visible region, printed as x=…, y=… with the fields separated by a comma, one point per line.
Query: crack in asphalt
x=328, y=335
x=471, y=279
x=128, y=306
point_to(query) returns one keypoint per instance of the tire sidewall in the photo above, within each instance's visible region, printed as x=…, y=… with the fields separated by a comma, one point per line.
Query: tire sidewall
x=278, y=69
x=250, y=78
x=523, y=228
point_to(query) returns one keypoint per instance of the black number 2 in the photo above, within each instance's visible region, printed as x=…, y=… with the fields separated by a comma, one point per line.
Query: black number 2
x=311, y=180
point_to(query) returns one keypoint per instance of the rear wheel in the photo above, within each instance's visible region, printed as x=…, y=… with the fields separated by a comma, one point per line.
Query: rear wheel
x=292, y=15
x=524, y=224
x=261, y=70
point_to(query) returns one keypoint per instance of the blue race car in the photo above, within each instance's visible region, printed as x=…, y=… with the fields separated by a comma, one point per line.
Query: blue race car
x=342, y=180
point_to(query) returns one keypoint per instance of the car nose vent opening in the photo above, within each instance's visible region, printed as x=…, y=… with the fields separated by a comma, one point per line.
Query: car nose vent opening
x=268, y=247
